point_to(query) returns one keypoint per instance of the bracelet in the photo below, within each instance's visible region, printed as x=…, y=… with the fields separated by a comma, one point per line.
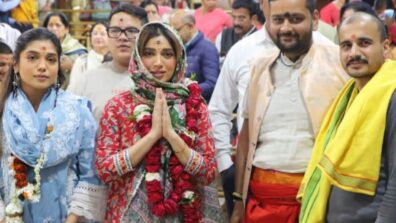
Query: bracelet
x=237, y=196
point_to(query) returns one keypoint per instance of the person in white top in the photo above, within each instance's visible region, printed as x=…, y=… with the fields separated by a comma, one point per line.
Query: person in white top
x=111, y=78
x=94, y=58
x=229, y=92
x=9, y=35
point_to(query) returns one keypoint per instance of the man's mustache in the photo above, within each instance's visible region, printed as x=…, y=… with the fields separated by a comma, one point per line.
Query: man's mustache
x=287, y=34
x=358, y=59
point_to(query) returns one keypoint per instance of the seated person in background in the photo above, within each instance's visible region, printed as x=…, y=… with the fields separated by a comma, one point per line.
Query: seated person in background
x=5, y=10
x=9, y=35
x=94, y=58
x=6, y=62
x=152, y=10
x=57, y=23
x=26, y=15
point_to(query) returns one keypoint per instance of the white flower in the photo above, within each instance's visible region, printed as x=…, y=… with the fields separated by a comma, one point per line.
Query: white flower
x=190, y=134
x=11, y=172
x=14, y=219
x=14, y=208
x=11, y=160
x=31, y=191
x=141, y=116
x=189, y=195
x=188, y=81
x=141, y=108
x=140, y=111
x=153, y=176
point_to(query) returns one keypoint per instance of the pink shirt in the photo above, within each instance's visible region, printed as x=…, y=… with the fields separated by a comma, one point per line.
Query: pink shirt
x=330, y=14
x=162, y=9
x=212, y=23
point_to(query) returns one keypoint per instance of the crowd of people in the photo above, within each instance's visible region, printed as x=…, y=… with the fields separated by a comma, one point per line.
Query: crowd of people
x=137, y=126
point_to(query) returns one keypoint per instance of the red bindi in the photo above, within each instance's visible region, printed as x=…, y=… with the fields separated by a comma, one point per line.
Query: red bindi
x=353, y=37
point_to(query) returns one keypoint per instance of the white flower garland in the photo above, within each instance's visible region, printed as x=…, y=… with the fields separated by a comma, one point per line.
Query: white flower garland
x=153, y=176
x=140, y=111
x=31, y=192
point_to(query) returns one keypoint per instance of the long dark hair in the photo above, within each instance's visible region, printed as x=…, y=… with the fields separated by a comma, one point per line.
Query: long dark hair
x=23, y=41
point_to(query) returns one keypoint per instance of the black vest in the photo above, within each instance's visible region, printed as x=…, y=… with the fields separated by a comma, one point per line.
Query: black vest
x=228, y=39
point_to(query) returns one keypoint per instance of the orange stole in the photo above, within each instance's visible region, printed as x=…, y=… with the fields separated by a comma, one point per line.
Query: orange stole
x=273, y=197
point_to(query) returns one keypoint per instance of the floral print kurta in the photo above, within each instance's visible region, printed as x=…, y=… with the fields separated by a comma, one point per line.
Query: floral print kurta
x=118, y=132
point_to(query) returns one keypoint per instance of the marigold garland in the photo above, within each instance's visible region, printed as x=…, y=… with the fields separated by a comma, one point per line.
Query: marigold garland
x=183, y=196
x=21, y=189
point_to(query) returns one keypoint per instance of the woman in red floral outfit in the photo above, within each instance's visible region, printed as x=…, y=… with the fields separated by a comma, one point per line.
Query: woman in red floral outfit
x=155, y=150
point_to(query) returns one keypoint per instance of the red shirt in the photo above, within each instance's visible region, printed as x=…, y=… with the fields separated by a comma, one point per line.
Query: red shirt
x=330, y=14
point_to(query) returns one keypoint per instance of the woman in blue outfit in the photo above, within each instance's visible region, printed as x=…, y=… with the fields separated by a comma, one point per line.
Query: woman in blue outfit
x=48, y=150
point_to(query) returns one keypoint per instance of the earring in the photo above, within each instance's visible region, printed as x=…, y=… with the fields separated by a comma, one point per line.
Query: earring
x=15, y=83
x=57, y=85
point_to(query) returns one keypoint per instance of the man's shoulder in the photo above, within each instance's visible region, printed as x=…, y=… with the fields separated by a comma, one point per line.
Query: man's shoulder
x=94, y=76
x=328, y=52
x=255, y=42
x=228, y=31
x=264, y=60
x=203, y=45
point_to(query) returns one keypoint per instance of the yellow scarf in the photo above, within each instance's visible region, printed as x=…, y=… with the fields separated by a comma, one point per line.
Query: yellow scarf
x=347, y=151
x=26, y=12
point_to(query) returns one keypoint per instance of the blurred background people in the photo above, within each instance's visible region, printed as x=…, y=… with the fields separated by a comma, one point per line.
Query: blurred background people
x=243, y=16
x=58, y=23
x=111, y=78
x=152, y=10
x=5, y=10
x=26, y=15
x=202, y=56
x=9, y=35
x=6, y=62
x=211, y=20
x=44, y=7
x=330, y=13
x=95, y=56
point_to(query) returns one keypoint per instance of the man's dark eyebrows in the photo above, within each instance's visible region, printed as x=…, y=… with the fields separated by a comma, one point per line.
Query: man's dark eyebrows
x=345, y=42
x=287, y=14
x=365, y=39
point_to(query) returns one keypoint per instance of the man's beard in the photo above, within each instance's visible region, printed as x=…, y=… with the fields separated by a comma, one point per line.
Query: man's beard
x=300, y=45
